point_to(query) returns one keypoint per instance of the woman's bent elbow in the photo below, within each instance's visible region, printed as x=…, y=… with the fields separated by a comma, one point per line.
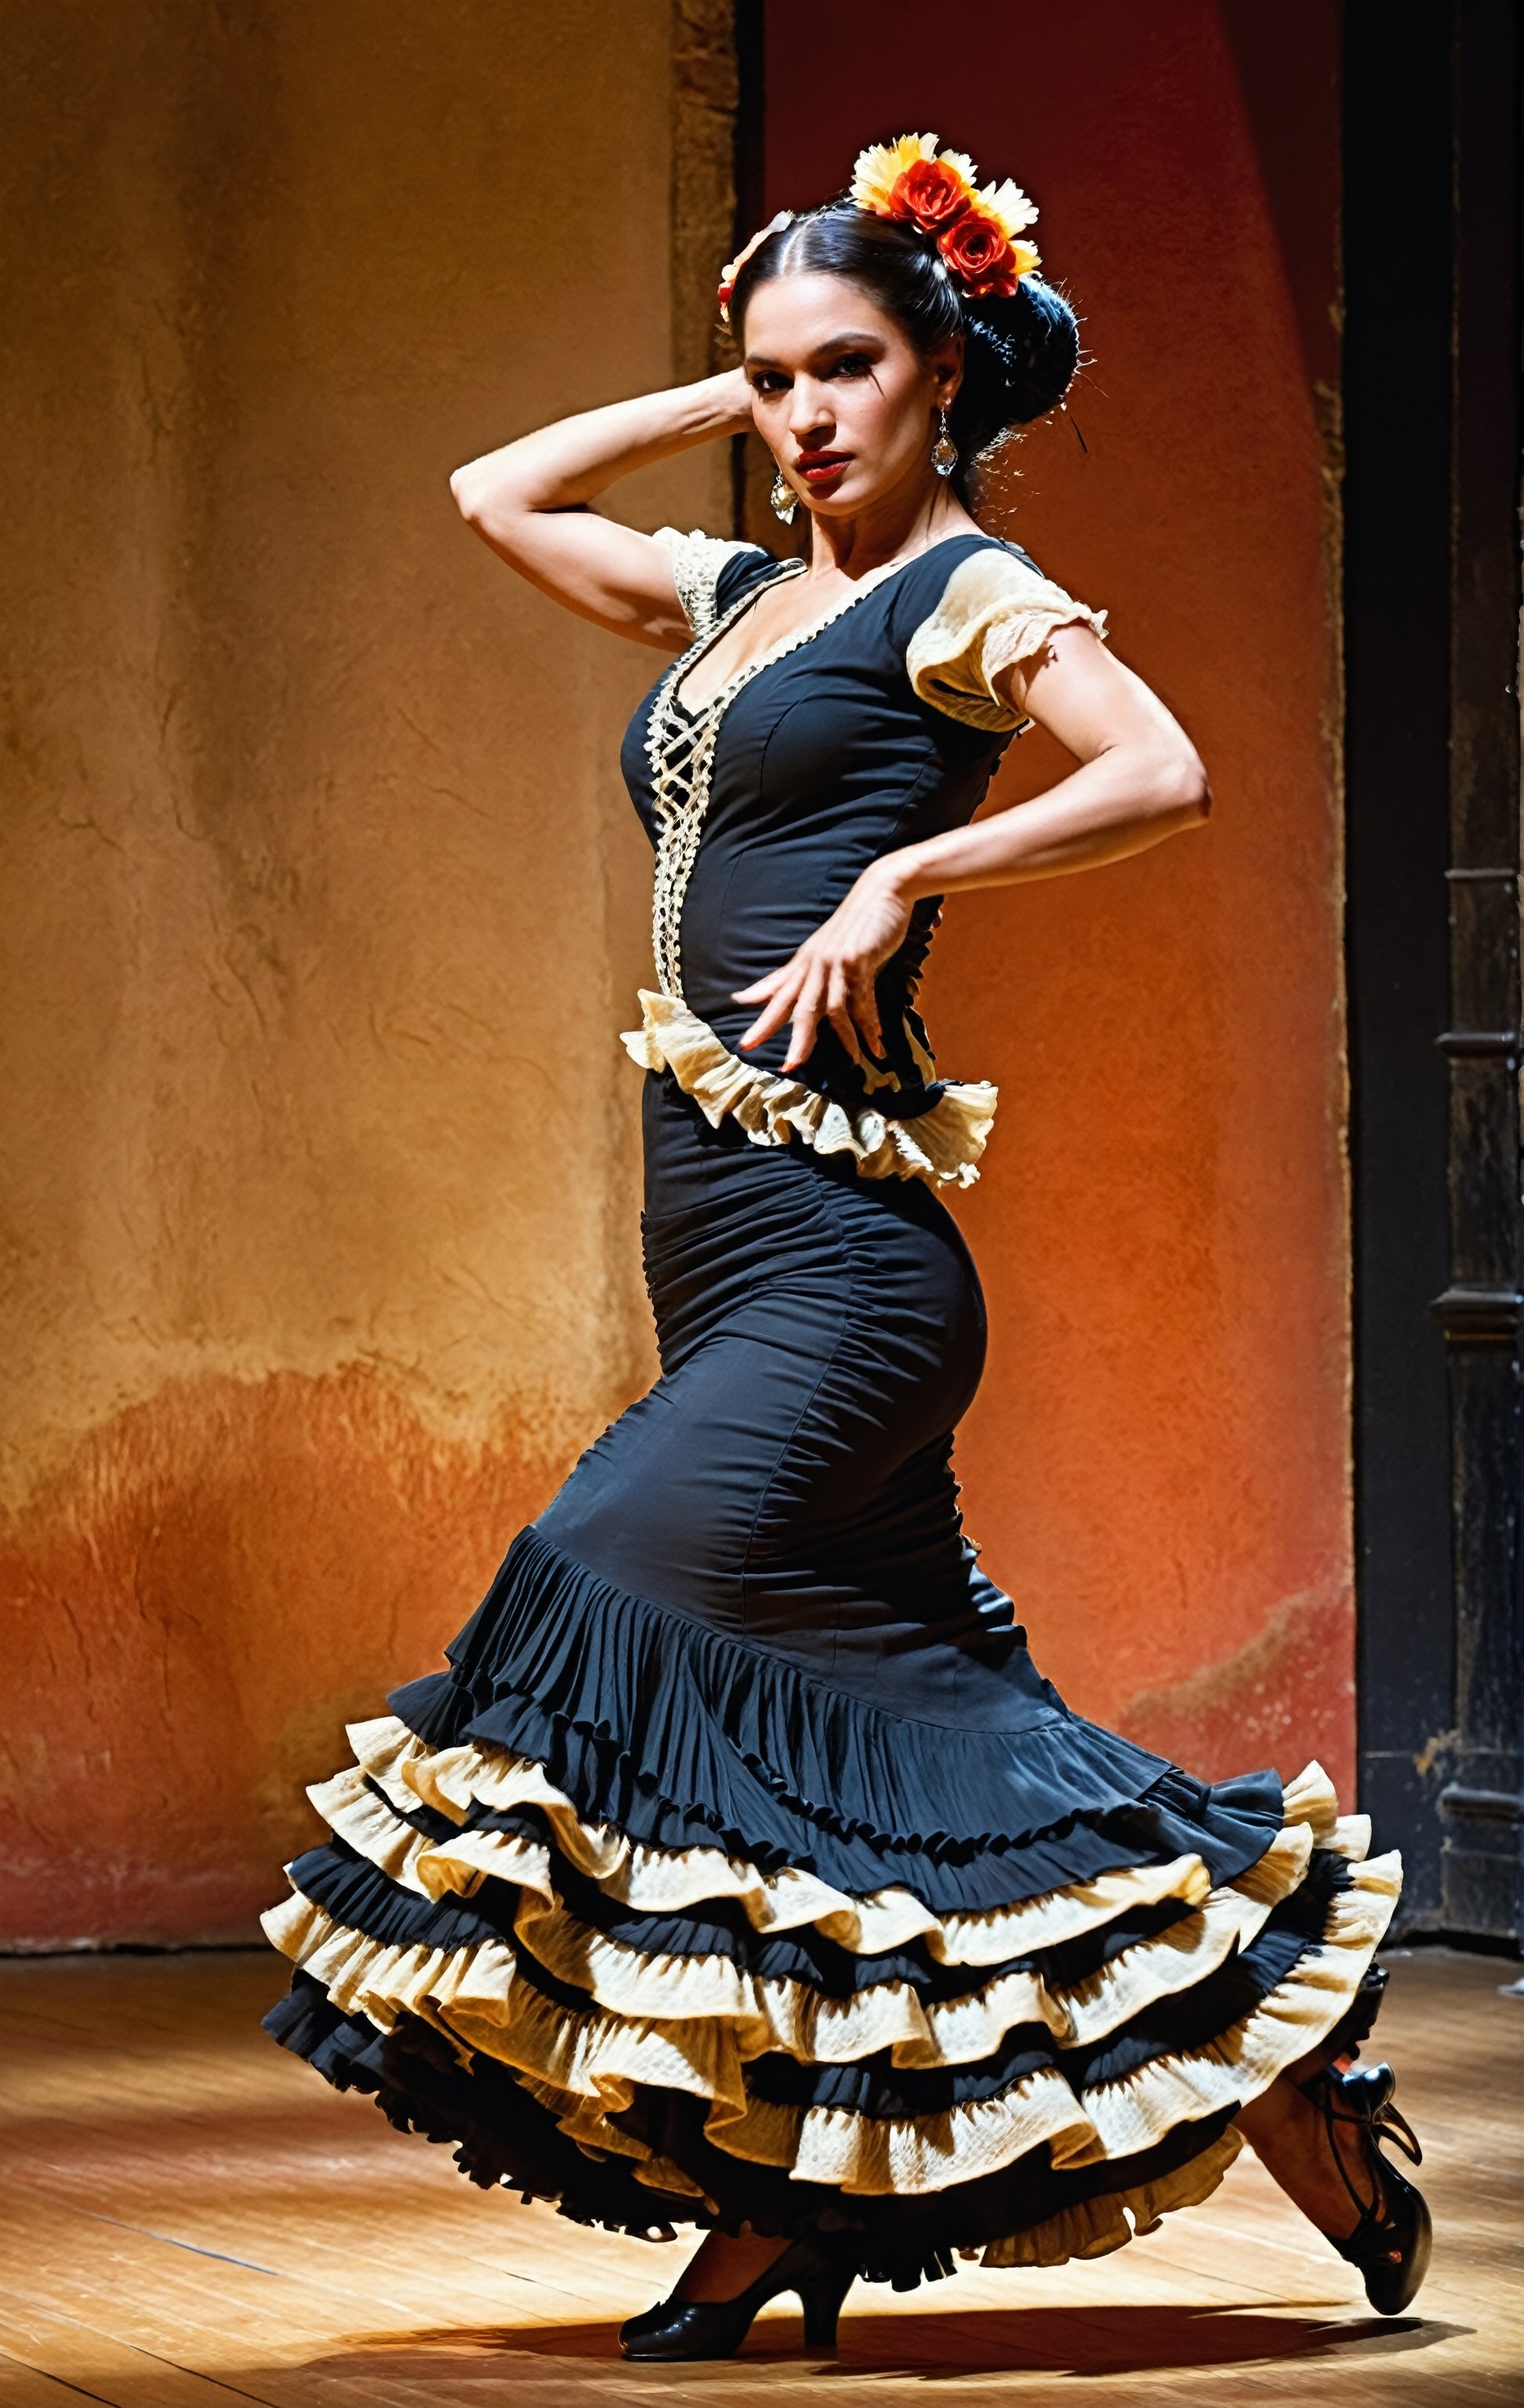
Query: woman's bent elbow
x=466, y=489
x=1187, y=794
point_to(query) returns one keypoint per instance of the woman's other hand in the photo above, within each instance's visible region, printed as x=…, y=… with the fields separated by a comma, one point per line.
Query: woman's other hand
x=831, y=976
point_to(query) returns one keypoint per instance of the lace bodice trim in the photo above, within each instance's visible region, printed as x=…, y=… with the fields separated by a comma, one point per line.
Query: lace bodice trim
x=680, y=745
x=696, y=561
x=994, y=609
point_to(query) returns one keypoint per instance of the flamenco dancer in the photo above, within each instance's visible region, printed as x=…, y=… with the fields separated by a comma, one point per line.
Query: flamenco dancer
x=742, y=1871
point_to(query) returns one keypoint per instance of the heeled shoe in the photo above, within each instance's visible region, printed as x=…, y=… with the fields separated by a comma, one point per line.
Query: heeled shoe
x=1391, y=2242
x=675, y=2329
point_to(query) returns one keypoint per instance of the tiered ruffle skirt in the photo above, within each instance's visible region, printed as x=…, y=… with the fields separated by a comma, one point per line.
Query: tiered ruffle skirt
x=653, y=1924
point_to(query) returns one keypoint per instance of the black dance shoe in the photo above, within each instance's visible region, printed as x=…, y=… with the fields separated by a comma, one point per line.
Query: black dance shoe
x=1391, y=2242
x=676, y=2329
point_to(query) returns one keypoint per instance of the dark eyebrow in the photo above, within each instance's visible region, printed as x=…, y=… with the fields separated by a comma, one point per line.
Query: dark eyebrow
x=833, y=343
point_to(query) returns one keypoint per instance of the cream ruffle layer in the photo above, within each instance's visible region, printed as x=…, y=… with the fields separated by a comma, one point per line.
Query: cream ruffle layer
x=772, y=2014
x=942, y=1146
x=693, y=2023
x=586, y=2066
x=994, y=611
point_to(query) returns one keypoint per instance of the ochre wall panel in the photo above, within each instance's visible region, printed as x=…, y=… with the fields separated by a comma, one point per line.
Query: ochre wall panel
x=1157, y=1463
x=324, y=901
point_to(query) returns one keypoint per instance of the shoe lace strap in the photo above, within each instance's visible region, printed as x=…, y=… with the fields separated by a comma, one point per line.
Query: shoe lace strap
x=1391, y=2125
x=1376, y=2124
x=1325, y=2098
x=1383, y=2123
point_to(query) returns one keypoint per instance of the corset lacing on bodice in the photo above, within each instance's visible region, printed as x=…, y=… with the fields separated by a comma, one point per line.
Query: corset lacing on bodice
x=939, y=1132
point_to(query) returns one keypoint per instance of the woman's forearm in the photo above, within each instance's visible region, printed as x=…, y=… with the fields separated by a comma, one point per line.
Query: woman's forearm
x=529, y=501
x=1123, y=801
x=567, y=465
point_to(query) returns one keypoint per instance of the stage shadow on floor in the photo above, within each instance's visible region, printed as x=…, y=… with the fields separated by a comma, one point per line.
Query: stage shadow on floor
x=1142, y=2339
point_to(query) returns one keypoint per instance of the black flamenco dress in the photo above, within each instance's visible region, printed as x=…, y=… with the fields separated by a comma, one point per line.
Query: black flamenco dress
x=741, y=1866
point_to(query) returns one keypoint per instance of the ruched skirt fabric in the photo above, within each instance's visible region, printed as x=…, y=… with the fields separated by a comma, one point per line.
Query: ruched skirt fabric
x=743, y=1868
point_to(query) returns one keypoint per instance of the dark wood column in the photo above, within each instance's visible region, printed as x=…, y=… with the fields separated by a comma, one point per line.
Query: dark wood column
x=1397, y=602
x=1432, y=414
x=1479, y=1310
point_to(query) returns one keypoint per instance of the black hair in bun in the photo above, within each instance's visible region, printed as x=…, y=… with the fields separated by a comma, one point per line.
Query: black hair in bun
x=1019, y=358
x=1019, y=355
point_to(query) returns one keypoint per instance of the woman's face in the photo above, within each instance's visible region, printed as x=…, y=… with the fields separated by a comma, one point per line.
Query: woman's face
x=841, y=396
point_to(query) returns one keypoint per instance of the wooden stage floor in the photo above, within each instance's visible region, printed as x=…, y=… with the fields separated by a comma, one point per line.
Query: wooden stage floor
x=192, y=2218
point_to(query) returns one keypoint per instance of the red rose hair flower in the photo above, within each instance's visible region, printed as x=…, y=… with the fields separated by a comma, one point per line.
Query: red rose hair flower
x=977, y=231
x=932, y=193
x=979, y=255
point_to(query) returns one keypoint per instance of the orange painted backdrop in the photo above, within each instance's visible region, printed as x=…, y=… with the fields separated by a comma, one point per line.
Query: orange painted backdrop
x=1157, y=1463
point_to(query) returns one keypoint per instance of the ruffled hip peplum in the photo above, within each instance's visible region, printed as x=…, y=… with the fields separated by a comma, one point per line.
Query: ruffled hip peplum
x=743, y=1868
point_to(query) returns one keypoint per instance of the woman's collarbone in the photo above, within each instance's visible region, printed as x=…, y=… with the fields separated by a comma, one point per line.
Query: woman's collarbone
x=763, y=635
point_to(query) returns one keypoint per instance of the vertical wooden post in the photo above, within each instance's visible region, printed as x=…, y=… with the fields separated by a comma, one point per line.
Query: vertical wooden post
x=1481, y=1311
x=1396, y=380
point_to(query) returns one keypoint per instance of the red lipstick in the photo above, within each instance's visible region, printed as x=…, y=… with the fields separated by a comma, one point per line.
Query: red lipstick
x=819, y=467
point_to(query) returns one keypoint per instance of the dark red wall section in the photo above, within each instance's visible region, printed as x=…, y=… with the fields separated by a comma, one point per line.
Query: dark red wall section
x=1157, y=1466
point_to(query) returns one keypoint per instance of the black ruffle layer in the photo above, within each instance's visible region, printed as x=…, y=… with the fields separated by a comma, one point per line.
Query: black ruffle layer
x=357, y=1894
x=684, y=1738
x=500, y=2135
x=720, y=1927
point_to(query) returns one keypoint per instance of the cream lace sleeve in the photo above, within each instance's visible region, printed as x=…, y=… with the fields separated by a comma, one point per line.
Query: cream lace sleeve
x=697, y=562
x=993, y=611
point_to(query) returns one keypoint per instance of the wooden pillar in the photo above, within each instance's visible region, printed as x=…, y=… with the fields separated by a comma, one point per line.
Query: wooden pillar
x=1397, y=403
x=1432, y=590
x=1480, y=1309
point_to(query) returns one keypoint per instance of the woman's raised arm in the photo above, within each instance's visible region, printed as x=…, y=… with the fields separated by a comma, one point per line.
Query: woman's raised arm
x=529, y=501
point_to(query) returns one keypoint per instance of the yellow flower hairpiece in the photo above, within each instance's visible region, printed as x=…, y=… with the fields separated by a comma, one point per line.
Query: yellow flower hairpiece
x=977, y=231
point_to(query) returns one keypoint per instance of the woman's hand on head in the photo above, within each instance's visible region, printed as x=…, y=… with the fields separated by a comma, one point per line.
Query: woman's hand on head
x=733, y=390
x=830, y=979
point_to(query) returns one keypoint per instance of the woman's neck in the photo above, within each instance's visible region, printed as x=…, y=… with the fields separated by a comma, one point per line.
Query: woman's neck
x=895, y=528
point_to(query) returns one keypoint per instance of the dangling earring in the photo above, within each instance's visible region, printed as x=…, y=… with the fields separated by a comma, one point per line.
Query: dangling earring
x=945, y=451
x=785, y=500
